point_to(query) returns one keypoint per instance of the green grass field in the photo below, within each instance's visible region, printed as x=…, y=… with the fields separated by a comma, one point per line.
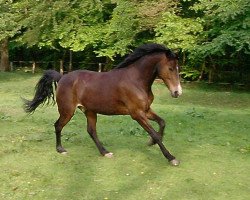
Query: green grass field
x=208, y=129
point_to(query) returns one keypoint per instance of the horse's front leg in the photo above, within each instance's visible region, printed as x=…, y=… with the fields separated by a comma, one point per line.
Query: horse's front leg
x=151, y=115
x=142, y=119
x=91, y=128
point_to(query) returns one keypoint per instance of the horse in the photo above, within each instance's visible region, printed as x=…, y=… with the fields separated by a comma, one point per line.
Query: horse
x=124, y=90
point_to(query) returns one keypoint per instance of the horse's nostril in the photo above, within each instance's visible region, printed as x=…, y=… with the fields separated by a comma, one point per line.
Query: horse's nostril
x=175, y=94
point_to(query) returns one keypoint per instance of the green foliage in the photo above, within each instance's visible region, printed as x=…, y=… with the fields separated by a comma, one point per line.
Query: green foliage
x=178, y=32
x=120, y=31
x=212, y=33
x=131, y=20
x=227, y=24
x=150, y=12
x=190, y=74
x=224, y=42
x=9, y=20
x=70, y=24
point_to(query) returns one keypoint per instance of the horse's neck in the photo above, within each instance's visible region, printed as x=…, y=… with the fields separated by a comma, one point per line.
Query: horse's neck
x=145, y=70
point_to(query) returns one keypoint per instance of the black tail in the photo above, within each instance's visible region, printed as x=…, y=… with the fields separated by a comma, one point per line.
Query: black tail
x=44, y=90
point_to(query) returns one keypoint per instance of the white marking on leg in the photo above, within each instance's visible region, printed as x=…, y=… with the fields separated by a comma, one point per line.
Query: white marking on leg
x=175, y=162
x=109, y=155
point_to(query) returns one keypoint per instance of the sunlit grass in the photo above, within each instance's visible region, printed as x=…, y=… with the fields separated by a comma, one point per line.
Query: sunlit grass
x=207, y=129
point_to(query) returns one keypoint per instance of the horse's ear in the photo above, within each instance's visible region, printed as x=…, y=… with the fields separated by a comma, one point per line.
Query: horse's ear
x=177, y=53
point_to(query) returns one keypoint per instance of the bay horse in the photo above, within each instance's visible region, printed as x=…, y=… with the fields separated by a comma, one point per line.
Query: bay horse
x=125, y=90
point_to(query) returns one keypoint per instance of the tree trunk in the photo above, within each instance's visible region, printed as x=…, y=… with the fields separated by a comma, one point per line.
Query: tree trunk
x=203, y=67
x=61, y=67
x=210, y=76
x=184, y=59
x=70, y=60
x=108, y=65
x=211, y=70
x=5, y=64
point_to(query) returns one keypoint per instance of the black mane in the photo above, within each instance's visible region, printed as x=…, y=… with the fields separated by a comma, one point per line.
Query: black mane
x=144, y=50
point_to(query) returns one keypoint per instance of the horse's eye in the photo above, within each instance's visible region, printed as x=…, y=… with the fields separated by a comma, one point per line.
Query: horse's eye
x=171, y=69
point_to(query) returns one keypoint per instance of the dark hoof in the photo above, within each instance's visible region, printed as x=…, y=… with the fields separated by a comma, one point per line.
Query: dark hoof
x=61, y=150
x=174, y=162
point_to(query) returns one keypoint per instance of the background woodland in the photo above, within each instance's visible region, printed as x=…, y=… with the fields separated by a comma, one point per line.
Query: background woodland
x=212, y=37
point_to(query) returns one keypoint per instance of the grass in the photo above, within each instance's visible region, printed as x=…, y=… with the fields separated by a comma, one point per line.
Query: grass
x=207, y=129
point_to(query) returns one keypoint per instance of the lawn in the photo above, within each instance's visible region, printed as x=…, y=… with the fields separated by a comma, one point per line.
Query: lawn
x=208, y=130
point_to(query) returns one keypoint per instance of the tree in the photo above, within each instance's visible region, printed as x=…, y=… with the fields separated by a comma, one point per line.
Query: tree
x=61, y=23
x=226, y=37
x=4, y=65
x=119, y=31
x=211, y=34
x=178, y=32
x=111, y=27
x=181, y=33
x=227, y=24
x=131, y=23
x=64, y=26
x=8, y=28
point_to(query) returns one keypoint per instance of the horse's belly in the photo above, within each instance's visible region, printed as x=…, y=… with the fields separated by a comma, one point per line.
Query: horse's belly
x=108, y=108
x=104, y=105
x=102, y=97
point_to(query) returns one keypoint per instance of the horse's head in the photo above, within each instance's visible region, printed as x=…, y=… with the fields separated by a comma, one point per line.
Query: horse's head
x=168, y=71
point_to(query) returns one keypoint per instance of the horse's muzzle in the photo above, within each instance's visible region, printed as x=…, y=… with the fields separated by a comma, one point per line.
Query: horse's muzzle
x=175, y=91
x=175, y=94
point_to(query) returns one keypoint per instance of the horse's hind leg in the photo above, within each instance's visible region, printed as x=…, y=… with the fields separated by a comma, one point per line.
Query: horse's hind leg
x=91, y=128
x=151, y=115
x=60, y=123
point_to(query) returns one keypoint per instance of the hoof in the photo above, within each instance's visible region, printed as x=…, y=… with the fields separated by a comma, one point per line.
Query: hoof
x=61, y=150
x=108, y=155
x=174, y=162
